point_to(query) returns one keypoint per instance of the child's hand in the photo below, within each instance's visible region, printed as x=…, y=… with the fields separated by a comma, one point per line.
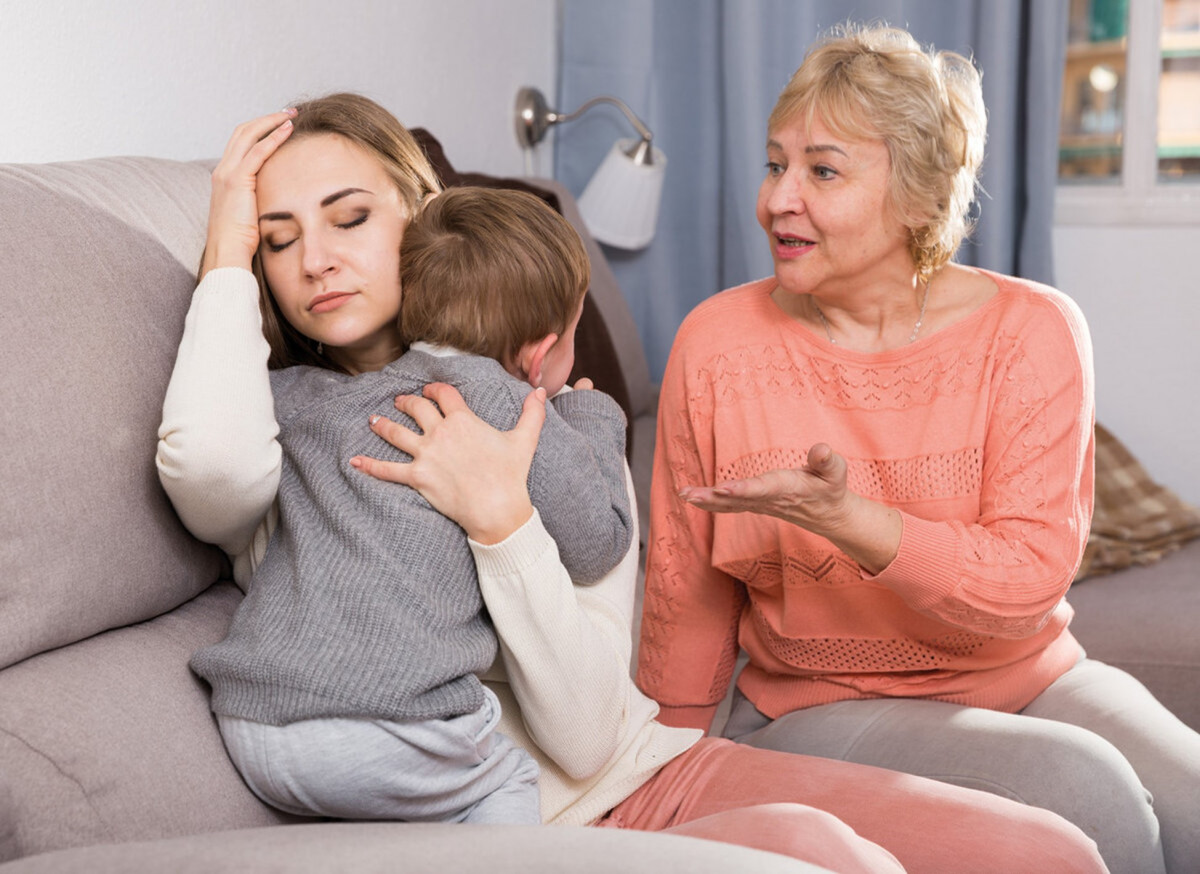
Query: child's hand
x=583, y=383
x=468, y=470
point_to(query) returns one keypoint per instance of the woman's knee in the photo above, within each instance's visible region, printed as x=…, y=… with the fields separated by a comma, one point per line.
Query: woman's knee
x=1040, y=762
x=1067, y=760
x=794, y=830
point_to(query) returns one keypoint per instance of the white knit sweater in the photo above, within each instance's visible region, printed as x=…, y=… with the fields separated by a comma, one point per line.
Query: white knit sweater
x=563, y=677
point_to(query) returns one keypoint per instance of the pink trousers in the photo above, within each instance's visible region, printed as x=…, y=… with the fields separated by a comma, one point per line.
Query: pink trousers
x=849, y=818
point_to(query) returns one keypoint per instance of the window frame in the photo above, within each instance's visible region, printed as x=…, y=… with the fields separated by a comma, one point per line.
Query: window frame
x=1138, y=198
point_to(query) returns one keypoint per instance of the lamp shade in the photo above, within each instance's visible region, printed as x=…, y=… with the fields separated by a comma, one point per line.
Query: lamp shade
x=620, y=203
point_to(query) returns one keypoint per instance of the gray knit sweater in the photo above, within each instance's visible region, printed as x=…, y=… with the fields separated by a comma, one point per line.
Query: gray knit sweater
x=366, y=603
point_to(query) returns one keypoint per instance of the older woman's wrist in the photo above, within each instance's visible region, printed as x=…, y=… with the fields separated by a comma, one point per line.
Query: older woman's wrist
x=867, y=531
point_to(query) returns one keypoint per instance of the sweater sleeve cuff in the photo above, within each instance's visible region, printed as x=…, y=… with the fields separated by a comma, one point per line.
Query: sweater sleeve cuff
x=516, y=553
x=229, y=280
x=924, y=571
x=688, y=717
x=588, y=402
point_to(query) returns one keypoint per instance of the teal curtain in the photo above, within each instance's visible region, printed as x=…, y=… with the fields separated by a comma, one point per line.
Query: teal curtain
x=704, y=74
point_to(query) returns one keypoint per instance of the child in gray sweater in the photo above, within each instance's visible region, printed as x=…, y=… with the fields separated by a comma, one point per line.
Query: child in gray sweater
x=347, y=685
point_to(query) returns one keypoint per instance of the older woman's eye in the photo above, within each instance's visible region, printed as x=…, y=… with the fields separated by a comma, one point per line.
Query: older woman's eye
x=774, y=168
x=821, y=171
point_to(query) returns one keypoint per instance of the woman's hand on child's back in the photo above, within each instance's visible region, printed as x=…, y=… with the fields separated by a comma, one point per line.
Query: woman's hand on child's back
x=468, y=470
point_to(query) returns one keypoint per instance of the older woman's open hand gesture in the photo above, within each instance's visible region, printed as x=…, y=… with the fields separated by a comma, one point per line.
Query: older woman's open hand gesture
x=815, y=498
x=812, y=496
x=233, y=208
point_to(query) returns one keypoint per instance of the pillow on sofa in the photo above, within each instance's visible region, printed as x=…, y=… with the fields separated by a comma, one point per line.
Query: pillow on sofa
x=99, y=265
x=1136, y=521
x=126, y=748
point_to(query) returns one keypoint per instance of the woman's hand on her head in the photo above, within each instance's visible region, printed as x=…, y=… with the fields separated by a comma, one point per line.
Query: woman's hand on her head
x=468, y=470
x=233, y=209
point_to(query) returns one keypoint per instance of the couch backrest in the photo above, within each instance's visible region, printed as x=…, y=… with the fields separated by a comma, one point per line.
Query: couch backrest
x=97, y=265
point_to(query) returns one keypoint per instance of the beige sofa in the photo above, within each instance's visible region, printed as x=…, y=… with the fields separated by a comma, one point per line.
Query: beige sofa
x=109, y=757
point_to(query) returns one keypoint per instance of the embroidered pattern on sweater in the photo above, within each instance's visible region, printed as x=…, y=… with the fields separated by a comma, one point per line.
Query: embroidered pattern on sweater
x=823, y=567
x=894, y=481
x=839, y=655
x=769, y=370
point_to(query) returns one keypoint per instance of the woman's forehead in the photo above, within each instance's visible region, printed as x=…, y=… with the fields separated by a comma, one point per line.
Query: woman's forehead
x=314, y=165
x=837, y=118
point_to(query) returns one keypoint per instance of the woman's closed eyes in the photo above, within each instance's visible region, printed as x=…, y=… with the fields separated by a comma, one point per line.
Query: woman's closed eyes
x=359, y=217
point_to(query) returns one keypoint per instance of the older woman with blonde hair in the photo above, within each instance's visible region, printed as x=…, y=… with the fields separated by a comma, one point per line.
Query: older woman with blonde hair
x=874, y=476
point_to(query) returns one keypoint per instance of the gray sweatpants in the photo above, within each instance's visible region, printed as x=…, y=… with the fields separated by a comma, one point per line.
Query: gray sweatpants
x=1096, y=747
x=451, y=770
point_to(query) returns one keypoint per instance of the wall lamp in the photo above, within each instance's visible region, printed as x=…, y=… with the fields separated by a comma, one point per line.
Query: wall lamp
x=620, y=203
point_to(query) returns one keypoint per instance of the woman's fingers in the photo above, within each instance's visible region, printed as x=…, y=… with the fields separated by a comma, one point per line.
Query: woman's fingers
x=403, y=438
x=755, y=495
x=265, y=146
x=442, y=400
x=445, y=396
x=421, y=410
x=389, y=471
x=468, y=470
x=828, y=465
x=533, y=416
x=248, y=133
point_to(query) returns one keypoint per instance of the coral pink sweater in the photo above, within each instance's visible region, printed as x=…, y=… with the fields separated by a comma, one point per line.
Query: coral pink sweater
x=979, y=434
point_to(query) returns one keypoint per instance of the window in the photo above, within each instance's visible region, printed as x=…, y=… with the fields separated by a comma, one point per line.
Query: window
x=1129, y=138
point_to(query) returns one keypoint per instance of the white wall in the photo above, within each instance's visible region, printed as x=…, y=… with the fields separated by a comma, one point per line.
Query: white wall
x=1139, y=288
x=86, y=78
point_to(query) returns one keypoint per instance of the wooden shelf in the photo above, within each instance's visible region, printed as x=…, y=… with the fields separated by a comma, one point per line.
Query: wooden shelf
x=1080, y=51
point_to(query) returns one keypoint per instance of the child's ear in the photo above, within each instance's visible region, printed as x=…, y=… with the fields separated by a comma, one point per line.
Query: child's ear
x=532, y=356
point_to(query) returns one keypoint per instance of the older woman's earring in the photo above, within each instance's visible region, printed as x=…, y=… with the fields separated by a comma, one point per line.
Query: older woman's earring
x=320, y=348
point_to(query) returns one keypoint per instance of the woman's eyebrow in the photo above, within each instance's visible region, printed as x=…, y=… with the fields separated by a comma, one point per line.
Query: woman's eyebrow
x=338, y=195
x=817, y=147
x=326, y=201
x=824, y=148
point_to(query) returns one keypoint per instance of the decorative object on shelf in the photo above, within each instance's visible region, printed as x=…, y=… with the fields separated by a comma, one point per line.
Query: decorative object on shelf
x=620, y=203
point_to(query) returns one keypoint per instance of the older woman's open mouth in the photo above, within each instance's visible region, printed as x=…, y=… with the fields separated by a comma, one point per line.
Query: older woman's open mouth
x=789, y=246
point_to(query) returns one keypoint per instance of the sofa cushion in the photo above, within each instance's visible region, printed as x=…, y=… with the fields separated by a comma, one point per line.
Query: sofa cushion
x=111, y=739
x=365, y=848
x=1143, y=620
x=99, y=259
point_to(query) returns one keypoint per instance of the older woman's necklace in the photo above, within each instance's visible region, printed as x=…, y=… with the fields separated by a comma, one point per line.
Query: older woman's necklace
x=911, y=337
